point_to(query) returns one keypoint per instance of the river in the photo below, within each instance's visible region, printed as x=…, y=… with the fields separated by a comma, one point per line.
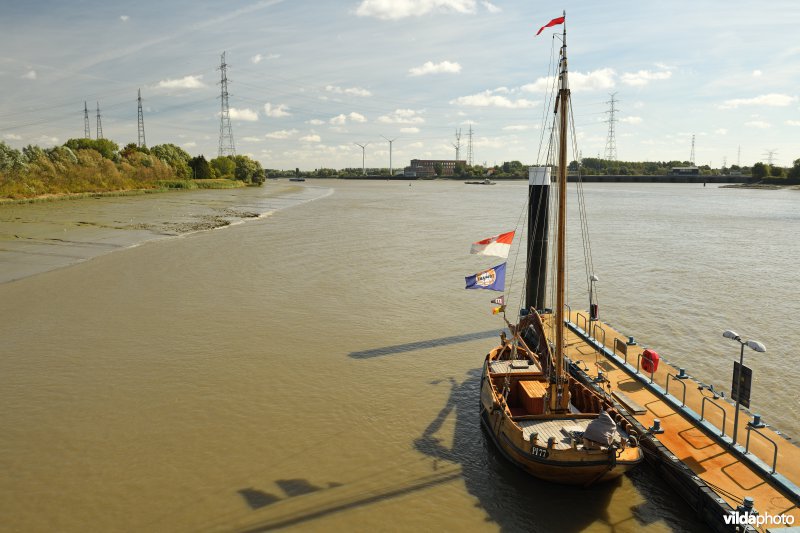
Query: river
x=315, y=364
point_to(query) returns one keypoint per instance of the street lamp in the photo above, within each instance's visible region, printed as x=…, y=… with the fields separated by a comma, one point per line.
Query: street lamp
x=753, y=345
x=592, y=306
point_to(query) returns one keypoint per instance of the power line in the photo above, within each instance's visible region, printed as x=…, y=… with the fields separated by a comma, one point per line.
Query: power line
x=457, y=144
x=86, y=133
x=691, y=156
x=770, y=156
x=141, y=142
x=469, y=147
x=611, y=141
x=99, y=131
x=225, y=133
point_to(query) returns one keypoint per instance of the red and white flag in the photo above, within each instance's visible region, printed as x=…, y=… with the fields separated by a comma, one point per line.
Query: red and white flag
x=499, y=245
x=554, y=22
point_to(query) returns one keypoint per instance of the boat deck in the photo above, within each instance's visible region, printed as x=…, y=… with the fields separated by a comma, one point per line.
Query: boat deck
x=697, y=426
x=516, y=366
x=558, y=429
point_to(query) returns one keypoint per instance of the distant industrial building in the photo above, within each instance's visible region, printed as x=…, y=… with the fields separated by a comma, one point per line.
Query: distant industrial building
x=424, y=168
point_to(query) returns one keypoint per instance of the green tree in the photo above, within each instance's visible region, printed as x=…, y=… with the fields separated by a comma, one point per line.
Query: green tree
x=224, y=166
x=776, y=171
x=201, y=170
x=132, y=148
x=174, y=156
x=247, y=170
x=106, y=148
x=794, y=172
x=438, y=169
x=759, y=171
x=10, y=158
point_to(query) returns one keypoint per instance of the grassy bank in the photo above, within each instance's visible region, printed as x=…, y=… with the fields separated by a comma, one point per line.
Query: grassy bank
x=161, y=187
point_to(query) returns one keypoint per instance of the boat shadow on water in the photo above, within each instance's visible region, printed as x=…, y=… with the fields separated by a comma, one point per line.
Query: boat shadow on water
x=510, y=498
x=516, y=501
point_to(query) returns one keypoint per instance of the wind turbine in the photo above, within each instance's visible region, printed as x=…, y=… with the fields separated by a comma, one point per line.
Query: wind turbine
x=363, y=147
x=390, y=154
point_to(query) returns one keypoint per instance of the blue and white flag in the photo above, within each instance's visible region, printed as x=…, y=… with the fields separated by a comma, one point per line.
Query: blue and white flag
x=493, y=279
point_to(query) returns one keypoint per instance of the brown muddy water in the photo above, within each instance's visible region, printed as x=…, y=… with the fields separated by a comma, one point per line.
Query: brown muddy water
x=317, y=368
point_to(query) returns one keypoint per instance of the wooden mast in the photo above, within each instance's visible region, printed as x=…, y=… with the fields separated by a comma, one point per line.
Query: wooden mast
x=559, y=394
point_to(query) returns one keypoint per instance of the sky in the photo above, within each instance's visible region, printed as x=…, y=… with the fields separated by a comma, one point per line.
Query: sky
x=311, y=80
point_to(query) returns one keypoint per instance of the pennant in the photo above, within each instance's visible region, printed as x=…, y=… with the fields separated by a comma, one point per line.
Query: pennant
x=493, y=279
x=500, y=300
x=554, y=22
x=498, y=245
x=498, y=310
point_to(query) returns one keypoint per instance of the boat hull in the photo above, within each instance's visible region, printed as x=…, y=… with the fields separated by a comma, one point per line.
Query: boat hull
x=572, y=466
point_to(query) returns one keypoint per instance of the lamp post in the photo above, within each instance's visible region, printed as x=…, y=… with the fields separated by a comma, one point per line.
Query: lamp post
x=753, y=345
x=592, y=307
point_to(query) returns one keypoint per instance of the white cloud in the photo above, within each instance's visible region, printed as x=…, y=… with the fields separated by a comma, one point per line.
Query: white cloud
x=760, y=124
x=770, y=100
x=338, y=120
x=273, y=56
x=489, y=98
x=516, y=127
x=341, y=119
x=643, y=77
x=12, y=137
x=357, y=117
x=311, y=138
x=411, y=129
x=315, y=122
x=353, y=91
x=187, y=82
x=124, y=18
x=429, y=67
x=44, y=139
x=757, y=73
x=256, y=59
x=490, y=7
x=631, y=120
x=280, y=134
x=720, y=131
x=251, y=139
x=30, y=75
x=190, y=144
x=793, y=122
x=399, y=9
x=401, y=116
x=596, y=80
x=275, y=112
x=248, y=115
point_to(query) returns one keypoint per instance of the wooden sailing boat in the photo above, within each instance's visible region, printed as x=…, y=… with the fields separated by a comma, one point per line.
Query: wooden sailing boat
x=540, y=417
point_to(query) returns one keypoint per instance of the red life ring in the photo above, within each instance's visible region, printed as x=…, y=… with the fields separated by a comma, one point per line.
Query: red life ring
x=649, y=360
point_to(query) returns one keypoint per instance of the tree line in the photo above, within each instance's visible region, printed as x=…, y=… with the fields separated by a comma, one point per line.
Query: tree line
x=99, y=165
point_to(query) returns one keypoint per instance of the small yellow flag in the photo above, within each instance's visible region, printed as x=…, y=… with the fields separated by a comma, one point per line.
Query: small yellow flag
x=497, y=310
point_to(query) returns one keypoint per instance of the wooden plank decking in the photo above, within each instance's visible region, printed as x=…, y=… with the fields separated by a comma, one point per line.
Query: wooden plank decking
x=711, y=459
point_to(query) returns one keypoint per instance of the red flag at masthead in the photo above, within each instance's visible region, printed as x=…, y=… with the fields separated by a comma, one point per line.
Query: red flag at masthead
x=554, y=22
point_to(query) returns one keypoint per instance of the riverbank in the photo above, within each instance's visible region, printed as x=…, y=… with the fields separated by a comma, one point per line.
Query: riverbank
x=163, y=186
x=47, y=233
x=767, y=186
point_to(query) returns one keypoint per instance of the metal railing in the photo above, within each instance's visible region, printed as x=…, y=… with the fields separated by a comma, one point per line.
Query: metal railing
x=594, y=334
x=718, y=406
x=774, y=446
x=585, y=327
x=618, y=342
x=683, y=399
